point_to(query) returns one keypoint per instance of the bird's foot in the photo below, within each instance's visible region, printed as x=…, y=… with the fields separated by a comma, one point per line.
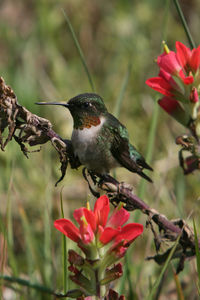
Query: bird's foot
x=93, y=176
x=108, y=183
x=124, y=186
x=116, y=191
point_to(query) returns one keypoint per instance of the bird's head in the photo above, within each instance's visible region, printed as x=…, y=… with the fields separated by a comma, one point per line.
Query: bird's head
x=86, y=109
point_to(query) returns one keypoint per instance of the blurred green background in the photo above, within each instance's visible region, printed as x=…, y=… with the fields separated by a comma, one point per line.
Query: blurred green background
x=39, y=60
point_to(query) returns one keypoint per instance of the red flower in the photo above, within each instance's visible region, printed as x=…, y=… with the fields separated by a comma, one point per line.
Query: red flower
x=189, y=59
x=96, y=229
x=103, y=240
x=68, y=228
x=178, y=81
x=123, y=240
x=194, y=97
x=170, y=64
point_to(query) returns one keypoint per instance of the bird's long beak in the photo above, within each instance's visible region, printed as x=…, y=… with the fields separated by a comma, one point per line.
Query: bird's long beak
x=53, y=103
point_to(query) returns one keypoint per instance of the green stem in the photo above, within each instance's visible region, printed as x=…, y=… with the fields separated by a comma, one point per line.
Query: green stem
x=184, y=23
x=102, y=288
x=64, y=250
x=79, y=50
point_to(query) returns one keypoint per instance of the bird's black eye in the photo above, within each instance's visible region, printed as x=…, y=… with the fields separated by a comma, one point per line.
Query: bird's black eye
x=86, y=104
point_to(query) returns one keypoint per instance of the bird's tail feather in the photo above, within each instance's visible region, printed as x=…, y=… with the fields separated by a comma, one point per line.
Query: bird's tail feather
x=145, y=176
x=144, y=164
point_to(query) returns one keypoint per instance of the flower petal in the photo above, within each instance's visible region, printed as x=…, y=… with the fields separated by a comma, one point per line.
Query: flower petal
x=108, y=234
x=118, y=217
x=195, y=59
x=118, y=250
x=101, y=210
x=173, y=108
x=169, y=62
x=160, y=85
x=78, y=214
x=88, y=214
x=68, y=228
x=129, y=233
x=183, y=55
x=169, y=104
x=87, y=234
x=86, y=231
x=194, y=97
x=168, y=78
x=90, y=217
x=186, y=79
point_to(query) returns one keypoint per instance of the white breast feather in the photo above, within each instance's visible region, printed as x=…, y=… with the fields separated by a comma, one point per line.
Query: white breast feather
x=81, y=138
x=87, y=134
x=89, y=153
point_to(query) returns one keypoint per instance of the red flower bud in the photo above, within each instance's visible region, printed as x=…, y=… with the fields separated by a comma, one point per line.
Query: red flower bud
x=194, y=97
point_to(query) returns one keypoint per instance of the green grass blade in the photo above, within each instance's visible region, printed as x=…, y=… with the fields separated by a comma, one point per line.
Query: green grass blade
x=157, y=282
x=122, y=91
x=126, y=277
x=47, y=235
x=184, y=23
x=180, y=191
x=126, y=271
x=33, y=257
x=178, y=287
x=9, y=227
x=197, y=255
x=27, y=283
x=120, y=98
x=79, y=50
x=64, y=251
x=9, y=210
x=131, y=288
x=150, y=145
x=11, y=255
x=47, y=221
x=3, y=249
x=153, y=126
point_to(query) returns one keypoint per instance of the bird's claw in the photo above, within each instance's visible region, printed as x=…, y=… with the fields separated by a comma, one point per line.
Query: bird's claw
x=94, y=179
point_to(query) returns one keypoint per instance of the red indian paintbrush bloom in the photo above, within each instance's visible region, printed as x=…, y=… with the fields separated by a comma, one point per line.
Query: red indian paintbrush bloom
x=104, y=240
x=96, y=230
x=179, y=81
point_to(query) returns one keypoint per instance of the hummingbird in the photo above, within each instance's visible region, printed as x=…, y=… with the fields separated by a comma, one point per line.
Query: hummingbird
x=99, y=140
